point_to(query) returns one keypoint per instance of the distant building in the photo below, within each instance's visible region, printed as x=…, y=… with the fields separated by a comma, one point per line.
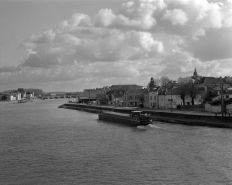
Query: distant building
x=125, y=87
x=22, y=92
x=29, y=95
x=87, y=96
x=57, y=93
x=17, y=95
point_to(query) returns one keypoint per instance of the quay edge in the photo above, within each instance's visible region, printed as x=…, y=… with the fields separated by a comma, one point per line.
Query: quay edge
x=168, y=117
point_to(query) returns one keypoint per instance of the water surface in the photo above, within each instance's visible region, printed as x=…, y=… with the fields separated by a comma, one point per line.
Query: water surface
x=40, y=144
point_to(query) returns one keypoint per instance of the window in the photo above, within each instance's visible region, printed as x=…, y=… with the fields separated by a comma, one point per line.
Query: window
x=150, y=97
x=154, y=97
x=130, y=97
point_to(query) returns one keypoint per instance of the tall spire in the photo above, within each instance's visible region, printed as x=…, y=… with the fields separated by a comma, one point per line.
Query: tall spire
x=195, y=73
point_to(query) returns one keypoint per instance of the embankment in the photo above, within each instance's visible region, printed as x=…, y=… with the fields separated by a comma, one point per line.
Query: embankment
x=170, y=117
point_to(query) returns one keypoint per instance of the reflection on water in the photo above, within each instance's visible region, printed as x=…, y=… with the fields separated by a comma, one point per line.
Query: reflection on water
x=40, y=144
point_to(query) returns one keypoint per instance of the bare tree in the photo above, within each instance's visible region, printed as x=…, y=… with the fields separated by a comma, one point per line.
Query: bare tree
x=185, y=80
x=164, y=80
x=142, y=100
x=183, y=91
x=192, y=91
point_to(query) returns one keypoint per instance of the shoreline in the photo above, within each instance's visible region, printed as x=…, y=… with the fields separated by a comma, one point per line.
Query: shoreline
x=183, y=118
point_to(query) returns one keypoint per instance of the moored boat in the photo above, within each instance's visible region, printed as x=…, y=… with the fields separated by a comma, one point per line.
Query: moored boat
x=135, y=118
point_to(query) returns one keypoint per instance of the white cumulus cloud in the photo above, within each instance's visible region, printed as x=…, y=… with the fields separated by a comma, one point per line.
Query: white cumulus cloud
x=144, y=38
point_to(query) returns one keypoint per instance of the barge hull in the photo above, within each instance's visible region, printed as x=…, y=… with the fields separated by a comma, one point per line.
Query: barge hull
x=119, y=119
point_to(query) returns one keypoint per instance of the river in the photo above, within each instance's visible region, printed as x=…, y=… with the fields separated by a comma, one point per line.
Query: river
x=41, y=144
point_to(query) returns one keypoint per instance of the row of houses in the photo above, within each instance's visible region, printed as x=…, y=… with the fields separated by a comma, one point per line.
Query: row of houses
x=159, y=97
x=16, y=95
x=134, y=95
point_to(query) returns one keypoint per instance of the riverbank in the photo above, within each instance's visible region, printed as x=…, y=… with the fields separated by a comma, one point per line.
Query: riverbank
x=2, y=103
x=175, y=117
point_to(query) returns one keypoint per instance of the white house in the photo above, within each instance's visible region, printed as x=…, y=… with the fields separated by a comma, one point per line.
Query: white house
x=170, y=98
x=173, y=98
x=16, y=95
x=151, y=98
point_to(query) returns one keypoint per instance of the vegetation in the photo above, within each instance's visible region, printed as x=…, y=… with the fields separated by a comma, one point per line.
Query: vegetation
x=183, y=91
x=151, y=84
x=192, y=91
x=164, y=81
x=4, y=98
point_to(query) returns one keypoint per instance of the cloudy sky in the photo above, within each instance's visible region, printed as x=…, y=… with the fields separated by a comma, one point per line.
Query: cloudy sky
x=69, y=45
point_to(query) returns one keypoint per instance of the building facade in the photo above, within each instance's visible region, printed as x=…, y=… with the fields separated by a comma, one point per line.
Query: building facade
x=132, y=97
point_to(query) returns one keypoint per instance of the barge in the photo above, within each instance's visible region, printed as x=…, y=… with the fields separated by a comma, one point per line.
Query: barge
x=135, y=118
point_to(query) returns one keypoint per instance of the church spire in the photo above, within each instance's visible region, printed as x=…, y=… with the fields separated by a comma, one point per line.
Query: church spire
x=195, y=73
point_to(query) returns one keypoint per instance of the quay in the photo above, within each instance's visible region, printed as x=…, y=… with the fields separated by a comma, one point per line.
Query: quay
x=191, y=118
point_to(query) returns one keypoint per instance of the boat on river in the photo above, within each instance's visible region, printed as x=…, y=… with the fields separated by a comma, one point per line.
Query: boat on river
x=135, y=118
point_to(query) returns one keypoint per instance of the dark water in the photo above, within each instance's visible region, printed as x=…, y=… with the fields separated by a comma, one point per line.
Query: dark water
x=40, y=144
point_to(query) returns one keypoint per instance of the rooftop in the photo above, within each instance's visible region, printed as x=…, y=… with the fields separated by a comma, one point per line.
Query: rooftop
x=211, y=80
x=130, y=86
x=135, y=90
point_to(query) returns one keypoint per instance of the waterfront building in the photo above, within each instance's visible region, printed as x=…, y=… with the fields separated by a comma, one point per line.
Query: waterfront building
x=101, y=99
x=169, y=98
x=115, y=96
x=151, y=98
x=88, y=96
x=132, y=97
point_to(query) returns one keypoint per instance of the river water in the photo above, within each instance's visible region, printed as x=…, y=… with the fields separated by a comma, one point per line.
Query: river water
x=40, y=144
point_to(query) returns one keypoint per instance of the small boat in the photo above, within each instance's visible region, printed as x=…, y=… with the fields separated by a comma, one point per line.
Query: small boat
x=135, y=118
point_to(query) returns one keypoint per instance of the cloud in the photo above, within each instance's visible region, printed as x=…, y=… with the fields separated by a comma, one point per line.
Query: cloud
x=144, y=38
x=216, y=44
x=9, y=69
x=176, y=16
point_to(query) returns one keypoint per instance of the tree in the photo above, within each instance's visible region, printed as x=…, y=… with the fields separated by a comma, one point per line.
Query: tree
x=141, y=100
x=4, y=98
x=164, y=80
x=192, y=91
x=228, y=80
x=183, y=91
x=151, y=84
x=185, y=80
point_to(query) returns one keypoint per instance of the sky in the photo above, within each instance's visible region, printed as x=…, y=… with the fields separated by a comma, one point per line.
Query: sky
x=71, y=45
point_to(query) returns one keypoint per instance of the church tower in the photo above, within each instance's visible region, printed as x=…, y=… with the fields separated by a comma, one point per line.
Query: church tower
x=195, y=75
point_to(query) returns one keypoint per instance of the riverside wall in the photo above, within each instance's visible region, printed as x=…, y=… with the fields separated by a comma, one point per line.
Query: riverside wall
x=170, y=117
